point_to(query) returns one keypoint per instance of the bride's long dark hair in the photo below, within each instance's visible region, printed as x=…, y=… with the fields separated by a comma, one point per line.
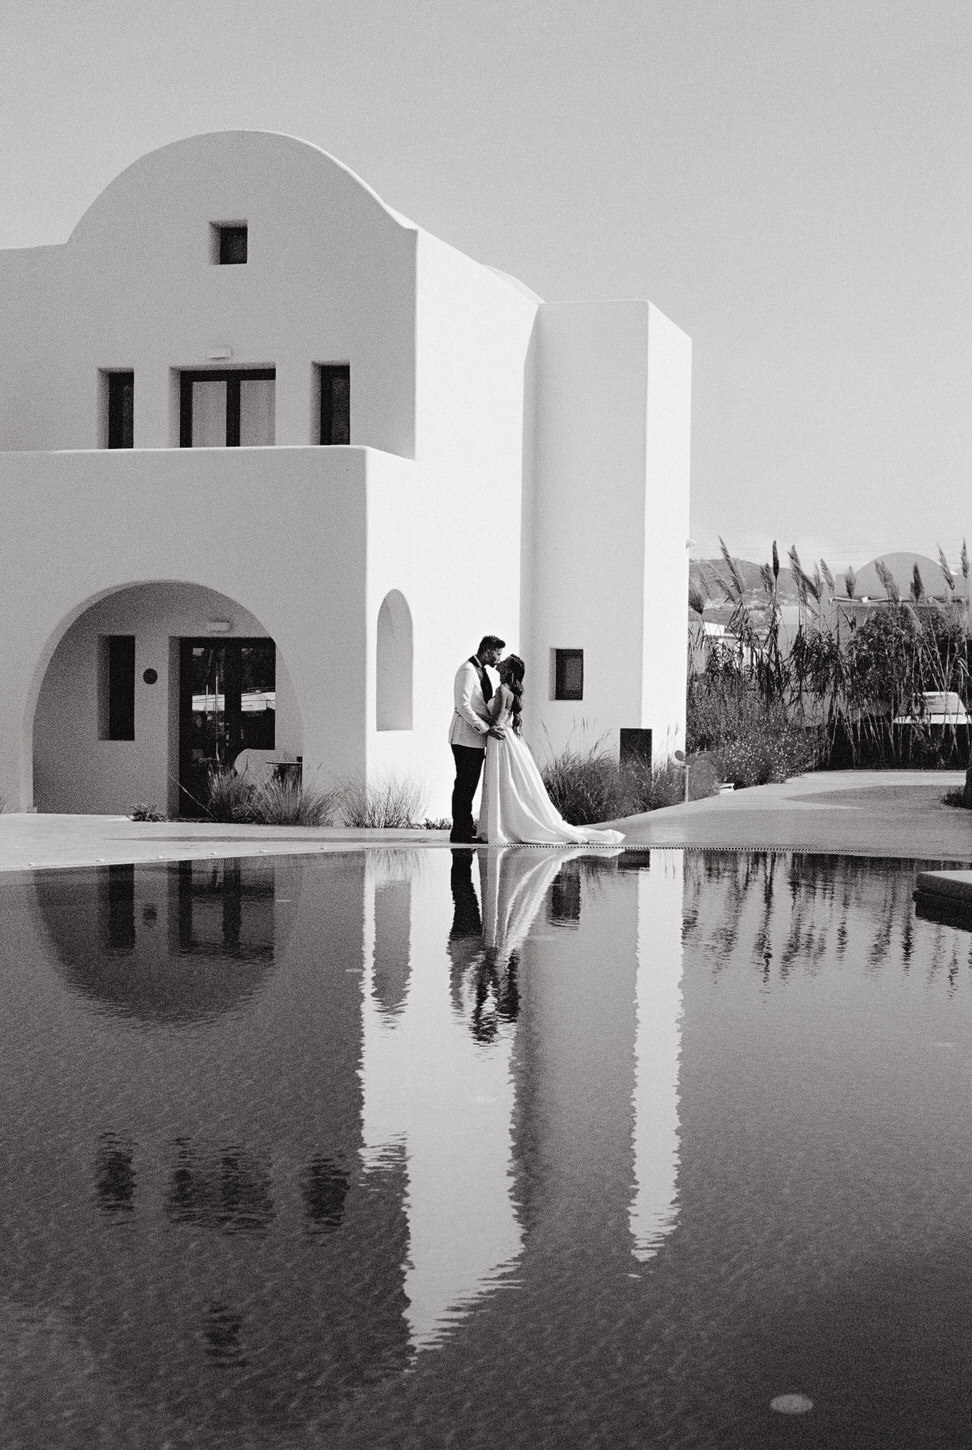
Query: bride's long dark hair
x=511, y=671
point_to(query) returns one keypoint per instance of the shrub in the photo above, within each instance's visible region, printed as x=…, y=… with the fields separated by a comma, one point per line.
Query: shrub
x=390, y=805
x=586, y=785
x=751, y=740
x=234, y=799
x=230, y=797
x=590, y=786
x=292, y=803
x=141, y=812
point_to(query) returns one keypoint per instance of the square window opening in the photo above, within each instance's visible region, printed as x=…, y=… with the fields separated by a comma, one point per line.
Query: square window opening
x=228, y=243
x=568, y=674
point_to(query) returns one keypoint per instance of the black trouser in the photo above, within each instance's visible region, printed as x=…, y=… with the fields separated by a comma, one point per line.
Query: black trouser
x=469, y=767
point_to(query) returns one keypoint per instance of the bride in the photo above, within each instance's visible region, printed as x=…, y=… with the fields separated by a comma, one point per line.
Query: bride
x=516, y=807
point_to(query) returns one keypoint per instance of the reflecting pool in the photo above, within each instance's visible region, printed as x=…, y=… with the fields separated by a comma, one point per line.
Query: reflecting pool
x=531, y=1147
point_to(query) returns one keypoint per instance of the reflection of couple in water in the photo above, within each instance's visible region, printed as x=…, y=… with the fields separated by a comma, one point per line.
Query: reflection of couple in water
x=484, y=945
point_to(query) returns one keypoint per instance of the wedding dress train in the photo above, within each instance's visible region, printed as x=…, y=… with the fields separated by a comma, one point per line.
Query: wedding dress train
x=516, y=807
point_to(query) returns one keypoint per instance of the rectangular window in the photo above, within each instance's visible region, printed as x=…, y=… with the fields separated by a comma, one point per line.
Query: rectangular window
x=116, y=681
x=121, y=410
x=335, y=382
x=569, y=674
x=228, y=408
x=228, y=243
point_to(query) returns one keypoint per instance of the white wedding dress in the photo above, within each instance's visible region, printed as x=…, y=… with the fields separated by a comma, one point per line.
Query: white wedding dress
x=516, y=809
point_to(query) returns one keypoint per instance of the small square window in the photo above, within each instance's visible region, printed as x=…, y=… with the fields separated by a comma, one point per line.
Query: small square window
x=229, y=243
x=569, y=674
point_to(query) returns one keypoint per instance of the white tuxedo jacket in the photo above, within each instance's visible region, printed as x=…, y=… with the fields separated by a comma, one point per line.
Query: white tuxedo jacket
x=470, y=718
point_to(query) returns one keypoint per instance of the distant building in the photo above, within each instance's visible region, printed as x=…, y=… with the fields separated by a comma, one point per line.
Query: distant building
x=272, y=459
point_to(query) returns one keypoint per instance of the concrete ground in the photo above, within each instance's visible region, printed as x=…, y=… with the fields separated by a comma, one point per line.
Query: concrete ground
x=865, y=813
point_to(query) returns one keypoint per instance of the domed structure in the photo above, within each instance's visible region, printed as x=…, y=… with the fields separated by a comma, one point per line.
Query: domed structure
x=901, y=568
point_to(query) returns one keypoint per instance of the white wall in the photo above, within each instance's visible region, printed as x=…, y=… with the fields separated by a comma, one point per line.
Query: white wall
x=534, y=434
x=74, y=770
x=609, y=523
x=330, y=277
x=450, y=542
x=280, y=531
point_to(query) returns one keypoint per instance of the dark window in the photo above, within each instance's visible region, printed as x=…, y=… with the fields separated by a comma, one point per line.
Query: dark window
x=569, y=674
x=565, y=896
x=121, y=410
x=231, y=244
x=117, y=891
x=120, y=686
x=335, y=402
x=227, y=408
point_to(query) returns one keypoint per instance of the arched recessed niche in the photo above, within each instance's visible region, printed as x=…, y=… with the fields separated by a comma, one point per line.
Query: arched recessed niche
x=393, y=692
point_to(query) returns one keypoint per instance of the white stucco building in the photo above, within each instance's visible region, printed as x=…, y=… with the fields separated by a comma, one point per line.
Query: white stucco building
x=272, y=459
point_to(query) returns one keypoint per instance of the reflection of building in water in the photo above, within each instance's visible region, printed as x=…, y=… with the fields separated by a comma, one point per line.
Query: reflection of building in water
x=146, y=941
x=432, y=1093
x=272, y=1169
x=536, y=1103
x=206, y=1142
x=654, y=1205
x=597, y=1066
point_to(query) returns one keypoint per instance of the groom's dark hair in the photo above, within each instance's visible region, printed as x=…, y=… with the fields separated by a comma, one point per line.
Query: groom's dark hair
x=489, y=641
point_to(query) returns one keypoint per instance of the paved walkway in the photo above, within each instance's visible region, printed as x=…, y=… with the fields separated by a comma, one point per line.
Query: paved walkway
x=864, y=813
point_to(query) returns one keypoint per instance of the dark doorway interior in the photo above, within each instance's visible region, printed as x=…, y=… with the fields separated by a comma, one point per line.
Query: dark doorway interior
x=227, y=703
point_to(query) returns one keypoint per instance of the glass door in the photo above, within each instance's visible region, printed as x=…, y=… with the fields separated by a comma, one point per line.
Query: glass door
x=227, y=703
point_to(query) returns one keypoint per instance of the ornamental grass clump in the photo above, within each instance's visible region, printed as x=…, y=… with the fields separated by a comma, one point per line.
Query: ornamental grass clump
x=236, y=800
x=589, y=786
x=586, y=785
x=292, y=803
x=390, y=805
x=229, y=797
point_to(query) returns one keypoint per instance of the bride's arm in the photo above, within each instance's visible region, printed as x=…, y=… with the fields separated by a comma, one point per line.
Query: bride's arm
x=497, y=704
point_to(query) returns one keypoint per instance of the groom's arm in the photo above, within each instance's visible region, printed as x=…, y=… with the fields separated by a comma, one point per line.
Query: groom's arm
x=470, y=704
x=471, y=709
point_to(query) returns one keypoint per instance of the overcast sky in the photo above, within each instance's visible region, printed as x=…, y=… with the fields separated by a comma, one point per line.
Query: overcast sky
x=789, y=180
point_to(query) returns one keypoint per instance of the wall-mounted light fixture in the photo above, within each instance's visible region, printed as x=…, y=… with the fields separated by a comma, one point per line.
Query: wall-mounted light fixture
x=218, y=626
x=219, y=350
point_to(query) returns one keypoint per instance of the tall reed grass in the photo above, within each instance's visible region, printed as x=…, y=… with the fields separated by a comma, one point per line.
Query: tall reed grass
x=769, y=704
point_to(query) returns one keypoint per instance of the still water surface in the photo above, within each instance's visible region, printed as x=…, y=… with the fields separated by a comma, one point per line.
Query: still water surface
x=417, y=1148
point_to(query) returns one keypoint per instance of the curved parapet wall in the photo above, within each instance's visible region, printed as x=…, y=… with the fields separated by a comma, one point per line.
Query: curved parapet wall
x=329, y=278
x=214, y=158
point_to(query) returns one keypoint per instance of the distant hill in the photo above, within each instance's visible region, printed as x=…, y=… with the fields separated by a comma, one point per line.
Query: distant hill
x=703, y=574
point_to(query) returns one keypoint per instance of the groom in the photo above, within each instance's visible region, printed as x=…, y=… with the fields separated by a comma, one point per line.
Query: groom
x=467, y=735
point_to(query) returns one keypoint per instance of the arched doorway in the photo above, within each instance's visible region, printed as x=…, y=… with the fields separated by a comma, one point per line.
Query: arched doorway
x=148, y=687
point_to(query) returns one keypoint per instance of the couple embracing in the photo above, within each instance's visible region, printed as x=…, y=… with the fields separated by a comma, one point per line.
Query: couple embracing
x=515, y=807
